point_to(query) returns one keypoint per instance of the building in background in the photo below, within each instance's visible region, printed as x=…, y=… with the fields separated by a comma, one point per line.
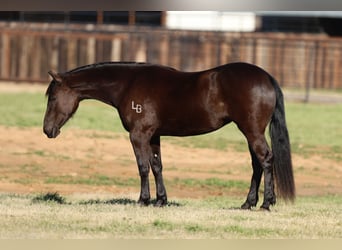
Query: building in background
x=212, y=20
x=150, y=18
x=329, y=22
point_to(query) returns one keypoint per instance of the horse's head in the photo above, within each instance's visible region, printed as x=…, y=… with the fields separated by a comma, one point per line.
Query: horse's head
x=62, y=104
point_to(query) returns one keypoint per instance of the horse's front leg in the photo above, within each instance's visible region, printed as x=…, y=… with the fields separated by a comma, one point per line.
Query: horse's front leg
x=142, y=153
x=157, y=168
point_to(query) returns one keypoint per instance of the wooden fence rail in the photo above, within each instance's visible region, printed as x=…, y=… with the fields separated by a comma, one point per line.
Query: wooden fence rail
x=29, y=50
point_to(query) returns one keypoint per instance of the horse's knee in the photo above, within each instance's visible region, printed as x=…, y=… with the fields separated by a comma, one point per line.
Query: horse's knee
x=143, y=170
x=267, y=160
x=262, y=152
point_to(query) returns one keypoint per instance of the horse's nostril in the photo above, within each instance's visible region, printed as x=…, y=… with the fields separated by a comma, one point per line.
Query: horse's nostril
x=51, y=132
x=46, y=131
x=55, y=132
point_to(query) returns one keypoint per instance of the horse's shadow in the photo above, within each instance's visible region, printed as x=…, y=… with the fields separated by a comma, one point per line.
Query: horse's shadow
x=125, y=201
x=248, y=210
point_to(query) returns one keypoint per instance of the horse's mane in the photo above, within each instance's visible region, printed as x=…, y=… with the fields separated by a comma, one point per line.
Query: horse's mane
x=50, y=88
x=102, y=64
x=91, y=66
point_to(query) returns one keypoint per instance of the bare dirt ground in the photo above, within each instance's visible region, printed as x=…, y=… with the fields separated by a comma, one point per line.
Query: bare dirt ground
x=29, y=160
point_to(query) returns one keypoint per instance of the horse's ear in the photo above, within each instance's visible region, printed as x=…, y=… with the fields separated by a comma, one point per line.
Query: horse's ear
x=56, y=76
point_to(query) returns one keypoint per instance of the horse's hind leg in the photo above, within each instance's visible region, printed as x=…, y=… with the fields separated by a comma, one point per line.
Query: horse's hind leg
x=157, y=167
x=253, y=196
x=263, y=154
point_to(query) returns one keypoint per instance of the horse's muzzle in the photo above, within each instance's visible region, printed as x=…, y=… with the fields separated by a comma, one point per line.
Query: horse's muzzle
x=51, y=132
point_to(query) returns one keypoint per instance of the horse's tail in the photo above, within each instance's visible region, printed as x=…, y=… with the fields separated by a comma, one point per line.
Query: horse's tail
x=281, y=149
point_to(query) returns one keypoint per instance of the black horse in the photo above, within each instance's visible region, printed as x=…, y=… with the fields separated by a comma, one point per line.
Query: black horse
x=154, y=100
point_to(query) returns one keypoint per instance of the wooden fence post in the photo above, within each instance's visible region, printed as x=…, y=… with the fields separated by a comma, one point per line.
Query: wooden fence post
x=23, y=61
x=116, y=50
x=164, y=50
x=310, y=70
x=5, y=56
x=54, y=54
x=91, y=50
x=36, y=58
x=71, y=53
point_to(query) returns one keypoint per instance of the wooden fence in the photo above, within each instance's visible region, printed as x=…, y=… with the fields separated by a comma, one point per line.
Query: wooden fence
x=29, y=50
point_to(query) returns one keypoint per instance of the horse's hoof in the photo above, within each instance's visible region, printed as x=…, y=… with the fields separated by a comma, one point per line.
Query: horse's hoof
x=264, y=209
x=143, y=203
x=246, y=206
x=161, y=203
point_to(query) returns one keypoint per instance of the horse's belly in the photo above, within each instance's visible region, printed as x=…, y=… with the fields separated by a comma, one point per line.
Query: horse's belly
x=191, y=125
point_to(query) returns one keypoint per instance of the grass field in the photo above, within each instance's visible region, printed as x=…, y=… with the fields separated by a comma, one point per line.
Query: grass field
x=81, y=212
x=213, y=218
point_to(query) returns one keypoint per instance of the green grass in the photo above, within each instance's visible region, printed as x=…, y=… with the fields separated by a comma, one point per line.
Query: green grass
x=28, y=109
x=315, y=124
x=52, y=216
x=22, y=109
x=102, y=180
x=95, y=180
x=210, y=182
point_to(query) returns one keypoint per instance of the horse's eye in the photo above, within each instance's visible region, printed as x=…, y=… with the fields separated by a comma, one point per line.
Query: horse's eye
x=53, y=98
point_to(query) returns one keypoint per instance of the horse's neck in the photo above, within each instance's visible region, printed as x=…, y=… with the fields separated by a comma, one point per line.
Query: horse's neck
x=109, y=92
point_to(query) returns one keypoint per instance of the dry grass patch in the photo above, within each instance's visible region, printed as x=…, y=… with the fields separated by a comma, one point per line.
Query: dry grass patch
x=84, y=216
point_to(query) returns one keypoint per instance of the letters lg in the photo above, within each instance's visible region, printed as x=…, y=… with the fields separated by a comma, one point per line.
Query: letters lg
x=137, y=107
